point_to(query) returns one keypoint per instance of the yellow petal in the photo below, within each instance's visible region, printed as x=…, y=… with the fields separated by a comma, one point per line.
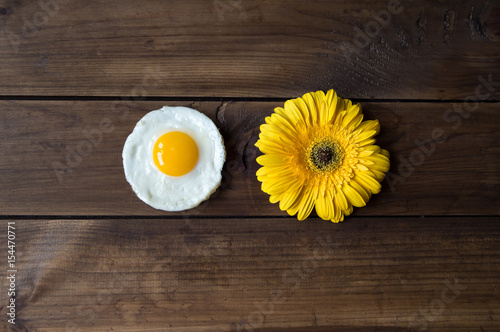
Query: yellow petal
x=337, y=213
x=276, y=138
x=292, y=210
x=372, y=148
x=307, y=203
x=266, y=126
x=347, y=103
x=354, y=123
x=290, y=196
x=368, y=182
x=335, y=105
x=275, y=186
x=262, y=171
x=293, y=112
x=368, y=141
x=280, y=110
x=323, y=114
x=361, y=167
x=319, y=98
x=322, y=188
x=311, y=106
x=270, y=146
x=353, y=196
x=365, y=161
x=368, y=150
x=285, y=122
x=273, y=160
x=380, y=162
x=347, y=212
x=370, y=125
x=385, y=153
x=340, y=200
x=365, y=194
x=352, y=115
x=324, y=207
x=266, y=170
x=378, y=175
x=306, y=114
x=278, y=126
x=331, y=97
x=364, y=135
x=274, y=198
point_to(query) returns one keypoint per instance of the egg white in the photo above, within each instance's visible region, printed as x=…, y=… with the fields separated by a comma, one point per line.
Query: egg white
x=173, y=193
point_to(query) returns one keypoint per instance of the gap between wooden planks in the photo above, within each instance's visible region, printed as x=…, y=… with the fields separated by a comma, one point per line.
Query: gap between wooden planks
x=205, y=274
x=459, y=176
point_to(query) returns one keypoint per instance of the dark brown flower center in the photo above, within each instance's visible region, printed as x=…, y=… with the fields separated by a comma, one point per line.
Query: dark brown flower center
x=325, y=155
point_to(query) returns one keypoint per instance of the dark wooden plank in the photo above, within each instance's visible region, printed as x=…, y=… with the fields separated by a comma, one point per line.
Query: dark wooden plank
x=234, y=48
x=459, y=176
x=370, y=274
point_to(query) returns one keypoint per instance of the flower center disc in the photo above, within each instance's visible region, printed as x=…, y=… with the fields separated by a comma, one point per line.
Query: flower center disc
x=324, y=155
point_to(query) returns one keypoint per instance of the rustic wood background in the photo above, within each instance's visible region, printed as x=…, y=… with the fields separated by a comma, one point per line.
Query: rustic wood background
x=424, y=255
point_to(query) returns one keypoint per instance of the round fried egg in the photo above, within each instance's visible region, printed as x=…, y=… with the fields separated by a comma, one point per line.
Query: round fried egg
x=173, y=158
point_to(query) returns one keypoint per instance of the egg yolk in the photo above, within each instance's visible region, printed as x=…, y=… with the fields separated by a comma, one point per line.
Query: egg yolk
x=175, y=153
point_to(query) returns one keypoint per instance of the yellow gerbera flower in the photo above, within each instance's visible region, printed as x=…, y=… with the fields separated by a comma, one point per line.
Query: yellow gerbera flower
x=318, y=152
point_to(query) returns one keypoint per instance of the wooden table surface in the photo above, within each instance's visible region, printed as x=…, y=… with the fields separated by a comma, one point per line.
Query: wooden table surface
x=76, y=76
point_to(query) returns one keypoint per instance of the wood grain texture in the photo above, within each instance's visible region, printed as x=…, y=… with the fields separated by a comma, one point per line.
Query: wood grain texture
x=234, y=48
x=42, y=142
x=368, y=274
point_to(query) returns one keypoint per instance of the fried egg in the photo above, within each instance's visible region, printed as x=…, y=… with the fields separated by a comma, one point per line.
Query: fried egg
x=173, y=158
